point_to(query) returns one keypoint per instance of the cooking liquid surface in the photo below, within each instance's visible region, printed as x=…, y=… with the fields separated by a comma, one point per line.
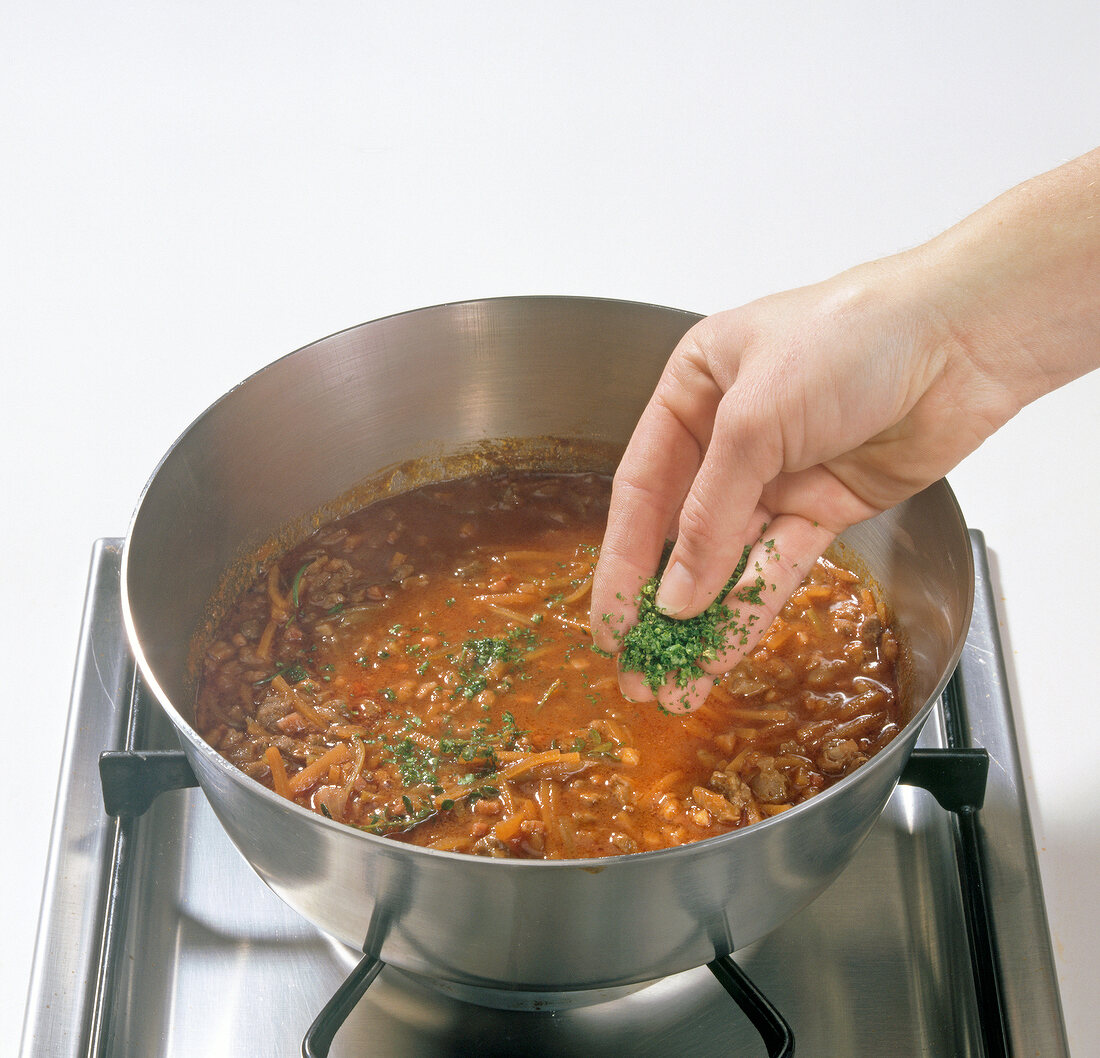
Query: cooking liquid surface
x=423, y=669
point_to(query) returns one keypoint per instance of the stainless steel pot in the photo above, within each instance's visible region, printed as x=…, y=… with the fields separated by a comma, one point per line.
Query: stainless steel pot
x=314, y=425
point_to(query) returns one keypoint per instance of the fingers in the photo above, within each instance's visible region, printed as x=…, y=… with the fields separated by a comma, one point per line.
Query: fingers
x=720, y=514
x=633, y=687
x=679, y=700
x=653, y=478
x=669, y=696
x=777, y=565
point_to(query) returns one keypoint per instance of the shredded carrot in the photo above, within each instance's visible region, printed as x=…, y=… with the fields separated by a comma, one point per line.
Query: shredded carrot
x=556, y=685
x=569, y=622
x=298, y=702
x=263, y=647
x=512, y=615
x=762, y=715
x=304, y=779
x=350, y=731
x=748, y=754
x=279, y=601
x=851, y=728
x=508, y=827
x=778, y=636
x=692, y=726
x=666, y=781
x=278, y=771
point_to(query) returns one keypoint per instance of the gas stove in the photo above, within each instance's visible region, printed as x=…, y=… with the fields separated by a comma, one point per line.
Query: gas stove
x=156, y=939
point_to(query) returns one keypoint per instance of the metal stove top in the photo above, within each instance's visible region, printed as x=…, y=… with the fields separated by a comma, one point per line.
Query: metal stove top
x=212, y=963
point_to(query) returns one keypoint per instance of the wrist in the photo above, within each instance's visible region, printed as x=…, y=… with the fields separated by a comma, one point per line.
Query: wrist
x=1015, y=284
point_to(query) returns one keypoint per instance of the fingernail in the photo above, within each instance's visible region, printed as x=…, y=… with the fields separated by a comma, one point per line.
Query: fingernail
x=676, y=590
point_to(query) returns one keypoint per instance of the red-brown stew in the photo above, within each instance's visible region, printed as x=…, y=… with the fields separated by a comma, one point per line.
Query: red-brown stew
x=422, y=669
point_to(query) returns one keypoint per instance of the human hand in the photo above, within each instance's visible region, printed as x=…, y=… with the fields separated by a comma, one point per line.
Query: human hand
x=779, y=424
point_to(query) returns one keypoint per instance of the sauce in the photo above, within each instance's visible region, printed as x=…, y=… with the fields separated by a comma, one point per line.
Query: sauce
x=423, y=669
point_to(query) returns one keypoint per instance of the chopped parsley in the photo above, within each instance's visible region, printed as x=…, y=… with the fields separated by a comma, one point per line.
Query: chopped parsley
x=480, y=655
x=658, y=644
x=297, y=583
x=420, y=767
x=293, y=673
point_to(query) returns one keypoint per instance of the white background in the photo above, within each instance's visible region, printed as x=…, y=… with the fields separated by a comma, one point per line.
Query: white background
x=191, y=190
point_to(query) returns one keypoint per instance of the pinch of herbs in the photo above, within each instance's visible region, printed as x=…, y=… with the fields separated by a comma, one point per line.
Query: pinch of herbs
x=659, y=645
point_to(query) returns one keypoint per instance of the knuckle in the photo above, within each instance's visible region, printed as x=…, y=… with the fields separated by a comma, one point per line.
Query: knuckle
x=697, y=527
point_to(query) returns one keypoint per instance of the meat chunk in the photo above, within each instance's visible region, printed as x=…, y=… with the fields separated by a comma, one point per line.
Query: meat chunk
x=733, y=788
x=325, y=586
x=770, y=784
x=840, y=756
x=871, y=630
x=272, y=709
x=490, y=846
x=718, y=806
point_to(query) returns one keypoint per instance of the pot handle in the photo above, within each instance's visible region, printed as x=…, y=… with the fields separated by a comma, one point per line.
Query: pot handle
x=954, y=777
x=132, y=778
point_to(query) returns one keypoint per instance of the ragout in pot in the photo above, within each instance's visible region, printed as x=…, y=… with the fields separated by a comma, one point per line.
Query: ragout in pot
x=422, y=669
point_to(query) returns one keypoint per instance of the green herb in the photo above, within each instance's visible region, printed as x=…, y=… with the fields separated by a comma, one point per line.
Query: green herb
x=480, y=655
x=297, y=583
x=751, y=592
x=293, y=673
x=380, y=823
x=482, y=793
x=593, y=744
x=658, y=644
